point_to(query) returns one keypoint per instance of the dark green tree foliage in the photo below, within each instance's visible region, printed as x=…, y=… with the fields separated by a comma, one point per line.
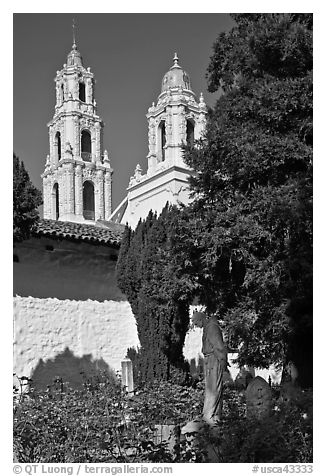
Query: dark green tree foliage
x=252, y=213
x=150, y=274
x=26, y=199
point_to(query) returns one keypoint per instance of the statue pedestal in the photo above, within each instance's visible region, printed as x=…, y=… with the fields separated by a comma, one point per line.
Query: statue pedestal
x=201, y=437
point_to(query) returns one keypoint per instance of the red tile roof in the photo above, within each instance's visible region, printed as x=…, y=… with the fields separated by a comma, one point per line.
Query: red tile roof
x=104, y=232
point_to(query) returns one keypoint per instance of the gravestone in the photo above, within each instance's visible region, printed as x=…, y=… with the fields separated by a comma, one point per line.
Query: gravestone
x=290, y=393
x=169, y=434
x=127, y=376
x=258, y=398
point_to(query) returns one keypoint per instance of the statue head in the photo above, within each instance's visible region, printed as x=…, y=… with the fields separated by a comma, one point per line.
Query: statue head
x=199, y=318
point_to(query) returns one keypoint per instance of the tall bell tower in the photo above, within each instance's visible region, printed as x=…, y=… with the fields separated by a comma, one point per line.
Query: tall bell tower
x=77, y=180
x=177, y=118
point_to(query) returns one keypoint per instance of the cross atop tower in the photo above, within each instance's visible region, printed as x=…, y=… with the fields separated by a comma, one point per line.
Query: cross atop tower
x=73, y=32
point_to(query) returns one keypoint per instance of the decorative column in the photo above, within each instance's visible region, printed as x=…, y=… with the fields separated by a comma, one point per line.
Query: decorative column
x=151, y=157
x=107, y=194
x=79, y=191
x=70, y=189
x=46, y=197
x=76, y=136
x=51, y=144
x=169, y=135
x=93, y=141
x=62, y=192
x=75, y=89
x=182, y=126
x=89, y=92
x=97, y=142
x=58, y=94
x=99, y=211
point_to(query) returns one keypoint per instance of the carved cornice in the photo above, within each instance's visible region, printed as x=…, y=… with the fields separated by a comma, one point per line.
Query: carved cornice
x=173, y=168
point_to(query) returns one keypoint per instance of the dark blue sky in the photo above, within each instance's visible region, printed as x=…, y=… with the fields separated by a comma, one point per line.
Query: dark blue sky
x=128, y=53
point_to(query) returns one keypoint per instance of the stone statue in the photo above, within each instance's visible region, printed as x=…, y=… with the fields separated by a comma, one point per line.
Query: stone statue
x=69, y=149
x=215, y=363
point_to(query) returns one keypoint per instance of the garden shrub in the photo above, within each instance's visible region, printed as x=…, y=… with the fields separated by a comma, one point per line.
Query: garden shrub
x=98, y=423
x=285, y=436
x=101, y=424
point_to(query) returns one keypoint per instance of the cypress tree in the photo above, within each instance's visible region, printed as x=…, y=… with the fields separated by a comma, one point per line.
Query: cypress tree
x=159, y=296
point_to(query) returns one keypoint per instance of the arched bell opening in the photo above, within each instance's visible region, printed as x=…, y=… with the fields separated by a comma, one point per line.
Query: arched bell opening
x=82, y=92
x=190, y=133
x=88, y=200
x=161, y=141
x=86, y=146
x=57, y=146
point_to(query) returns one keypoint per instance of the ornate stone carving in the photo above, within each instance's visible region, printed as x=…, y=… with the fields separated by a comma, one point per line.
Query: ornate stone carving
x=69, y=149
x=88, y=174
x=106, y=159
x=77, y=137
x=168, y=128
x=138, y=172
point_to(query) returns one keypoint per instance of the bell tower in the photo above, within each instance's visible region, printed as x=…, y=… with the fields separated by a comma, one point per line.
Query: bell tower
x=176, y=119
x=77, y=180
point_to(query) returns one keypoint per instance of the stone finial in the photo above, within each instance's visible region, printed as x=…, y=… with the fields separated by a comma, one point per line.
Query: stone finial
x=201, y=101
x=138, y=172
x=175, y=60
x=152, y=107
x=106, y=159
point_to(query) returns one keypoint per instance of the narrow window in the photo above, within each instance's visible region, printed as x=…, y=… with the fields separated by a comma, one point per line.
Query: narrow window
x=86, y=146
x=55, y=195
x=190, y=134
x=162, y=141
x=82, y=93
x=88, y=201
x=58, y=145
x=62, y=93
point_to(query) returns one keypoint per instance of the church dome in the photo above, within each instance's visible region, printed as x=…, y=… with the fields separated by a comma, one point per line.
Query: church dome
x=176, y=77
x=74, y=57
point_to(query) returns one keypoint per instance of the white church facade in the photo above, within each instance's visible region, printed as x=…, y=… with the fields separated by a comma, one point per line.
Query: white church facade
x=176, y=119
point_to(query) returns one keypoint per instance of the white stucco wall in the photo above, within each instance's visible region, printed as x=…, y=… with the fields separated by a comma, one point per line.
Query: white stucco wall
x=44, y=328
x=193, y=344
x=61, y=337
x=192, y=350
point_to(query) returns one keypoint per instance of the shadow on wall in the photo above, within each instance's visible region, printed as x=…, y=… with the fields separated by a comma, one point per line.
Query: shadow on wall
x=71, y=369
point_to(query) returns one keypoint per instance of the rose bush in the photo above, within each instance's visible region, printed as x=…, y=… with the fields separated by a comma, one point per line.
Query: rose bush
x=102, y=424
